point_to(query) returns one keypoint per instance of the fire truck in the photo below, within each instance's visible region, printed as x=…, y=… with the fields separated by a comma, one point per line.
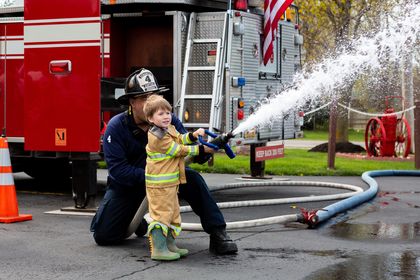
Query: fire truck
x=63, y=64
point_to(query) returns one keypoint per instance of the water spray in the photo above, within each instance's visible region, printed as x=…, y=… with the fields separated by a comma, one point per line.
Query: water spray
x=363, y=56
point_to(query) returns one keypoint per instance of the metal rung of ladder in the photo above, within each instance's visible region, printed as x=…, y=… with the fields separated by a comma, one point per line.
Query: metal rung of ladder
x=198, y=96
x=202, y=41
x=217, y=84
x=201, y=68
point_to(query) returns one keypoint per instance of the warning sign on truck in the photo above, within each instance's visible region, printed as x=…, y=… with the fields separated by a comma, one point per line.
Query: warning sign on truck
x=60, y=137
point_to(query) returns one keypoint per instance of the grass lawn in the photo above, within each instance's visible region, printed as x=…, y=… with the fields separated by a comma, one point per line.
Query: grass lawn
x=299, y=162
x=357, y=136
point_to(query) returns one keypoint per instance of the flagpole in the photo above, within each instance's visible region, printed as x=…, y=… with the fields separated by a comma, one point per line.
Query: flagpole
x=229, y=11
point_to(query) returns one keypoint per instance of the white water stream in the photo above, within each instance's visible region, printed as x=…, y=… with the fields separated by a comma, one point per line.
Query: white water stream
x=393, y=41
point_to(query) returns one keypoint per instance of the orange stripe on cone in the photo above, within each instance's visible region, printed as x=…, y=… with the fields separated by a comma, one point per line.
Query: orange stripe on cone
x=5, y=169
x=8, y=207
x=9, y=211
x=3, y=143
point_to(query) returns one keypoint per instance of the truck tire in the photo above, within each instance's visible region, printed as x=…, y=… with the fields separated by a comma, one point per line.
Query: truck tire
x=48, y=169
x=17, y=164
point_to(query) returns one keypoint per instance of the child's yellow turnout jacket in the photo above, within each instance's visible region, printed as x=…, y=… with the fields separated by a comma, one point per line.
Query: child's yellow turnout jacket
x=166, y=150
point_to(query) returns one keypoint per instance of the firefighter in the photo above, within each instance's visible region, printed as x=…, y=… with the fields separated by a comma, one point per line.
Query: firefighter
x=124, y=148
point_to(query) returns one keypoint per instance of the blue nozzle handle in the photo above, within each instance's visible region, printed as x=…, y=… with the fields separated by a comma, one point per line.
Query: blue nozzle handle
x=226, y=147
x=208, y=144
x=211, y=134
x=229, y=151
x=200, y=139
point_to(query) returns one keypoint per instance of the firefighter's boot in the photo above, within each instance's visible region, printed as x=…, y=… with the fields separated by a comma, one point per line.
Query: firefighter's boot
x=221, y=243
x=170, y=241
x=158, y=247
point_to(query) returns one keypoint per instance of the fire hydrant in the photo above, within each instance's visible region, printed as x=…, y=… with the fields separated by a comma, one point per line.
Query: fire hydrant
x=390, y=125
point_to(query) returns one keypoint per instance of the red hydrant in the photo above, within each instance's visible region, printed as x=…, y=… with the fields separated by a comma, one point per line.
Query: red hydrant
x=390, y=125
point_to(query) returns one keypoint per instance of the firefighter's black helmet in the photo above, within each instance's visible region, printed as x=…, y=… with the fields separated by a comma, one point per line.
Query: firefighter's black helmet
x=140, y=82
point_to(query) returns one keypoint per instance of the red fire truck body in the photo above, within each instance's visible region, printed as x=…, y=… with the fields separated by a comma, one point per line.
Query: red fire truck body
x=52, y=62
x=62, y=73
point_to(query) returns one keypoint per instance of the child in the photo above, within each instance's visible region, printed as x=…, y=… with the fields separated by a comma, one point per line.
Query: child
x=165, y=170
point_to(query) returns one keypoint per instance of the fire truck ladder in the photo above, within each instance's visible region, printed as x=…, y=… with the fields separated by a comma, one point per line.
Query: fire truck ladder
x=212, y=102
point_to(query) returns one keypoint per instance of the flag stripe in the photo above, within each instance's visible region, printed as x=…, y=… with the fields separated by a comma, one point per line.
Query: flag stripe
x=268, y=37
x=273, y=9
x=277, y=11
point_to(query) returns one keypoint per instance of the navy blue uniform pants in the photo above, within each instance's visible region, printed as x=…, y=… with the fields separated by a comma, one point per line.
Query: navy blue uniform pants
x=118, y=208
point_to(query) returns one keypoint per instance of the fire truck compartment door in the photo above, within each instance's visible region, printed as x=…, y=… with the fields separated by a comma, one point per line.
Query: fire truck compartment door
x=62, y=44
x=11, y=78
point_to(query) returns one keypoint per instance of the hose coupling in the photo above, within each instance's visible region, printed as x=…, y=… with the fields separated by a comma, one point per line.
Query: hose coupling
x=309, y=217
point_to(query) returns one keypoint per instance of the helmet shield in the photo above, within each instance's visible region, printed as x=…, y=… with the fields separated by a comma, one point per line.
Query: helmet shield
x=140, y=82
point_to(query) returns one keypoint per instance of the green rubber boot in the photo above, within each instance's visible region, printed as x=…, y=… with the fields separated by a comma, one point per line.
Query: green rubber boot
x=170, y=241
x=158, y=248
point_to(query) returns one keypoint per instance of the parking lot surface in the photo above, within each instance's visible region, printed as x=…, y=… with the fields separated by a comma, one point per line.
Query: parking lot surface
x=377, y=240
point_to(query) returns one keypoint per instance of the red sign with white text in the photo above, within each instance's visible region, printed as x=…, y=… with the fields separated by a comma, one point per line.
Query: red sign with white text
x=269, y=152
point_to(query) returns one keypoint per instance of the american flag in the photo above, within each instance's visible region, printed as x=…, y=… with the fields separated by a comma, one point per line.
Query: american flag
x=273, y=9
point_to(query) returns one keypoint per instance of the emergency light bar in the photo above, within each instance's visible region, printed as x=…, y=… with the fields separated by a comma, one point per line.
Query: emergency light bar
x=241, y=5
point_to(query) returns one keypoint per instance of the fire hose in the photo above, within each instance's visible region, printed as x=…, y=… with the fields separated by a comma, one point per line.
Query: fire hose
x=311, y=217
x=249, y=203
x=358, y=199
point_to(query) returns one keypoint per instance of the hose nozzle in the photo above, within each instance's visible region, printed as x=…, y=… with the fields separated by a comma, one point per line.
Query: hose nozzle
x=220, y=142
x=230, y=135
x=223, y=139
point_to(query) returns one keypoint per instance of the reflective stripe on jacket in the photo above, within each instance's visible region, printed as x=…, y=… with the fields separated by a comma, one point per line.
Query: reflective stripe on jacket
x=165, y=157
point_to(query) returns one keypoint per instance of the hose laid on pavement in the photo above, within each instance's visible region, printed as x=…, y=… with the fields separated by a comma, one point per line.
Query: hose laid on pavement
x=352, y=199
x=360, y=198
x=276, y=219
x=141, y=212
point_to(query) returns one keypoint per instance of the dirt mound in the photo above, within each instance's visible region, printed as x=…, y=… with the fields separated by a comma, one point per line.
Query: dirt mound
x=341, y=147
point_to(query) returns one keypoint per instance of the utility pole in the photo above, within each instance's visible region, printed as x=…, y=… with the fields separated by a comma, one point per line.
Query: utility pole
x=417, y=136
x=332, y=134
x=407, y=93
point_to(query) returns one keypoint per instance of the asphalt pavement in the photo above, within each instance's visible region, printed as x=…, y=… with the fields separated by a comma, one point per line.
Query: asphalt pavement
x=377, y=240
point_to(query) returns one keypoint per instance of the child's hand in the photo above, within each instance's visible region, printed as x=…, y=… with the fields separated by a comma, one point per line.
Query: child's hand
x=199, y=131
x=208, y=150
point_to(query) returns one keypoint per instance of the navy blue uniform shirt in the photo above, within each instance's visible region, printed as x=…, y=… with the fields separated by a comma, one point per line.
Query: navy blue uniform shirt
x=124, y=147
